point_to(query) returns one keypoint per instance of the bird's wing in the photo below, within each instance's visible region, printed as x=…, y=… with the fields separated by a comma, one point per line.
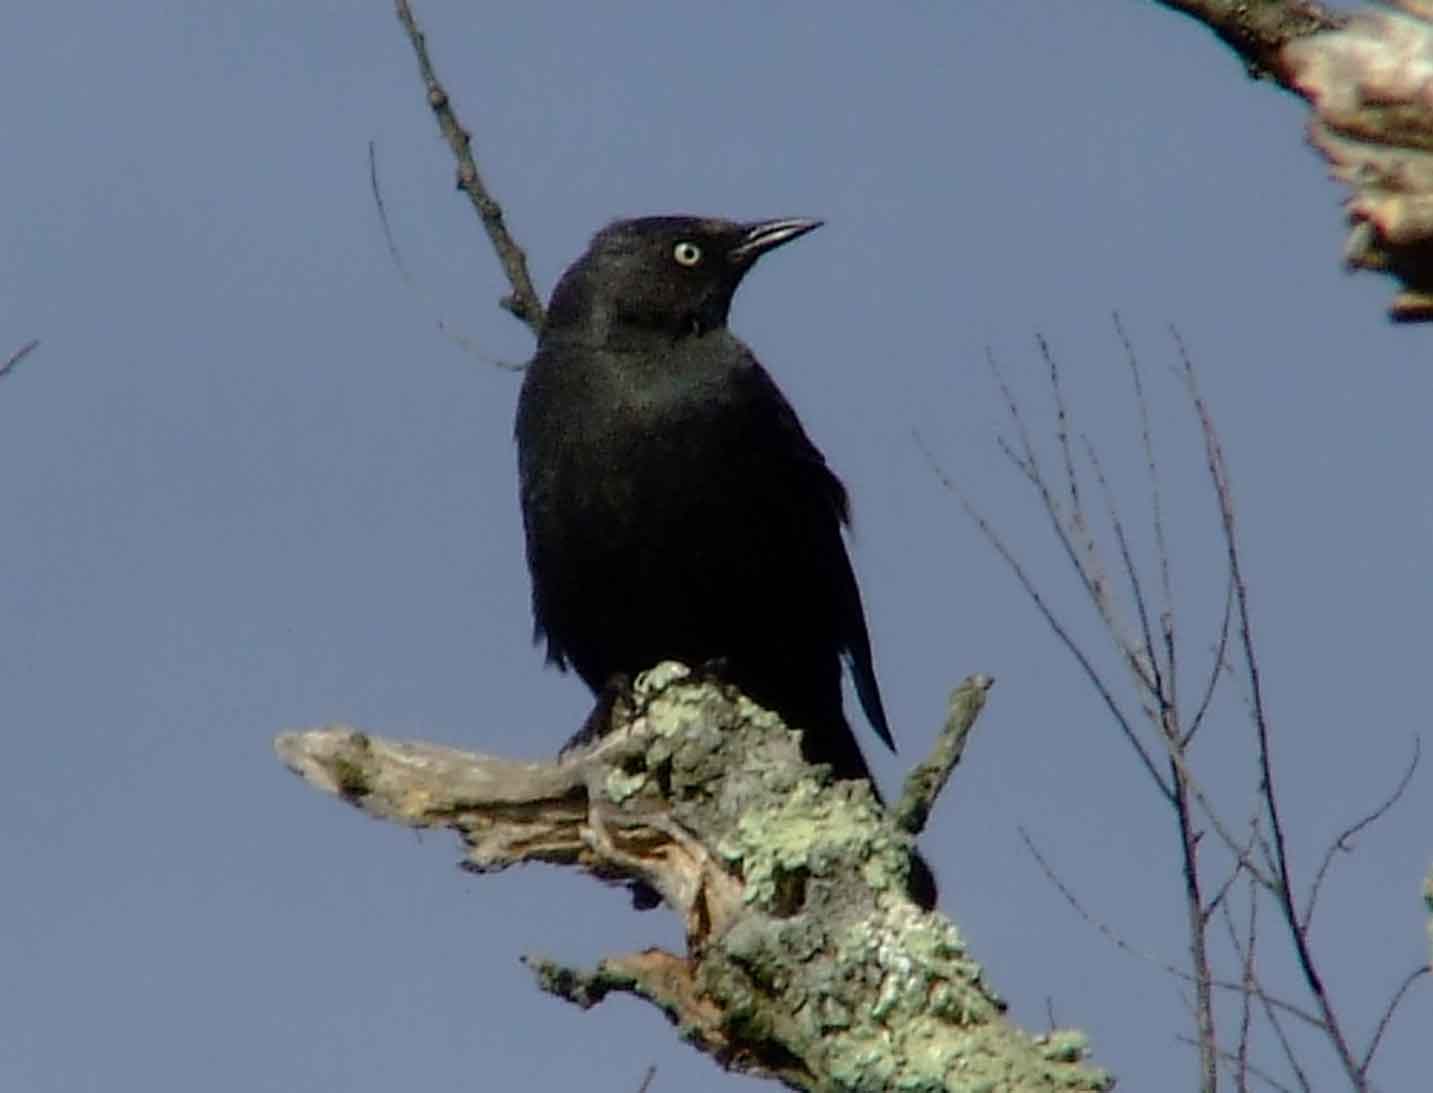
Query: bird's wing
x=820, y=480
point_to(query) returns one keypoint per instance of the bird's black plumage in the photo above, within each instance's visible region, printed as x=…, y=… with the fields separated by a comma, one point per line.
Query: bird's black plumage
x=673, y=504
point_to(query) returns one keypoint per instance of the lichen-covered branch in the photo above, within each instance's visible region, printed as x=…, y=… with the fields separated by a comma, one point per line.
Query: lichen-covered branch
x=924, y=783
x=1366, y=77
x=805, y=961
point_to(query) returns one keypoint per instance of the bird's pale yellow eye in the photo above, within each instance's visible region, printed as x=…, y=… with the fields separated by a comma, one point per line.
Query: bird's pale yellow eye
x=687, y=254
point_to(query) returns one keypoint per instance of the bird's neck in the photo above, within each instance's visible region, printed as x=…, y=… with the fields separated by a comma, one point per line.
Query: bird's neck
x=632, y=334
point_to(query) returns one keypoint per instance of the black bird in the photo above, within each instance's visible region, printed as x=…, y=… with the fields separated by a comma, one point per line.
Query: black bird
x=674, y=507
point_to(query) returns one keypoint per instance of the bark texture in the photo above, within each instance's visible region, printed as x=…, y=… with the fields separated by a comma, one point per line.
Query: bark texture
x=1369, y=79
x=805, y=962
x=1371, y=87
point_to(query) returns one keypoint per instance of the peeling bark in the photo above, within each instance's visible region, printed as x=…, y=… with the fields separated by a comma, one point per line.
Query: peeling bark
x=1369, y=80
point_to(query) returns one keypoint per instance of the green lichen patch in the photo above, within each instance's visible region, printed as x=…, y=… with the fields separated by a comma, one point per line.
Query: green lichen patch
x=620, y=785
x=808, y=830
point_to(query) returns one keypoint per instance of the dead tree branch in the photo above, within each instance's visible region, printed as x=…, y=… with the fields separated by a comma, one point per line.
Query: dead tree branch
x=17, y=356
x=1365, y=77
x=1259, y=31
x=924, y=784
x=523, y=301
x=806, y=962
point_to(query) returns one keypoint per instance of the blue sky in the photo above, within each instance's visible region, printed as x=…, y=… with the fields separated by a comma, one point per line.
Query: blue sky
x=248, y=485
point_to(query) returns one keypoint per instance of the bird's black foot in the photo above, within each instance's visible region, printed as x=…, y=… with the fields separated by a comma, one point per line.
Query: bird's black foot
x=598, y=724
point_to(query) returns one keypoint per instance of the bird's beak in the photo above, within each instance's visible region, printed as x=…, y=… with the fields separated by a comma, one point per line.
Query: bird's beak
x=767, y=235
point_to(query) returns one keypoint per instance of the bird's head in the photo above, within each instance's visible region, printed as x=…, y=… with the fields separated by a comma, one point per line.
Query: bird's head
x=673, y=274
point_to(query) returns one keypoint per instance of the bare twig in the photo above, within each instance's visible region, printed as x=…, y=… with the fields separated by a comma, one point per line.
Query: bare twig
x=1071, y=532
x=1072, y=529
x=377, y=191
x=523, y=302
x=1284, y=896
x=647, y=1079
x=1085, y=563
x=1051, y=619
x=1232, y=1060
x=1198, y=940
x=1159, y=686
x=1109, y=932
x=462, y=341
x=1341, y=843
x=1119, y=942
x=1148, y=674
x=1244, y=950
x=17, y=356
x=1388, y=1013
x=1250, y=982
x=1156, y=504
x=1220, y=665
x=1062, y=437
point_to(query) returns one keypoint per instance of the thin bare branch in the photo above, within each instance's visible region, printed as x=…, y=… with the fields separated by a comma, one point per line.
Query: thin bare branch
x=647, y=1079
x=462, y=341
x=1388, y=1012
x=17, y=356
x=377, y=191
x=1062, y=435
x=1110, y=934
x=1156, y=505
x=1086, y=565
x=1241, y=867
x=1250, y=982
x=1072, y=530
x=1341, y=843
x=1091, y=673
x=1245, y=953
x=1219, y=667
x=1012, y=408
x=1219, y=475
x=1231, y=1060
x=523, y=302
x=1194, y=916
x=1163, y=965
x=1148, y=673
